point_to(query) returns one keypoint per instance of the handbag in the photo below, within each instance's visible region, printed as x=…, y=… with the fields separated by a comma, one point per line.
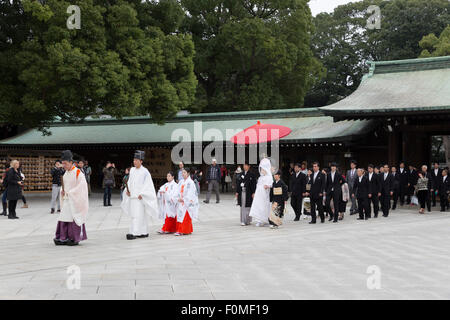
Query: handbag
x=227, y=179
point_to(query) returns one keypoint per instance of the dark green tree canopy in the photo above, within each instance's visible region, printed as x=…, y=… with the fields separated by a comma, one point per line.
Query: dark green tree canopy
x=251, y=54
x=344, y=44
x=118, y=63
x=436, y=47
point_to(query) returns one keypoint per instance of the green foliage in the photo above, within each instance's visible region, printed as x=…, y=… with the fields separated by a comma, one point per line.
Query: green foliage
x=115, y=64
x=344, y=44
x=436, y=47
x=251, y=54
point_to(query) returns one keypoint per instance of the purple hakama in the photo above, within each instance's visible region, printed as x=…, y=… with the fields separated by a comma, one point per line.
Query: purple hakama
x=70, y=230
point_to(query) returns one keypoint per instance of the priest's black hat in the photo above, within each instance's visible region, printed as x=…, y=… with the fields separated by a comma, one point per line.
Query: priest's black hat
x=67, y=155
x=140, y=155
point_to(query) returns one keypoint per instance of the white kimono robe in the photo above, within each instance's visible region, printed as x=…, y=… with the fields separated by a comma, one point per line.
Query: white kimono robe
x=140, y=183
x=75, y=203
x=261, y=205
x=188, y=192
x=167, y=199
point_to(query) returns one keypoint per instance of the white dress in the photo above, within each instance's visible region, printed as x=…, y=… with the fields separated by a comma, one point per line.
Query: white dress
x=261, y=205
x=188, y=192
x=167, y=198
x=140, y=183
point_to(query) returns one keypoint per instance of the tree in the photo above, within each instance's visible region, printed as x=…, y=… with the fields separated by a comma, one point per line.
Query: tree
x=344, y=43
x=115, y=64
x=251, y=54
x=436, y=47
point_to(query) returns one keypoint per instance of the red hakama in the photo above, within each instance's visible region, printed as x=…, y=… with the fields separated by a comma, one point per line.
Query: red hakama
x=186, y=226
x=170, y=225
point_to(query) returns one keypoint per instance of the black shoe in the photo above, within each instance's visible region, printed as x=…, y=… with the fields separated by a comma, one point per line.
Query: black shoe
x=352, y=213
x=59, y=210
x=385, y=215
x=110, y=205
x=331, y=218
x=359, y=218
x=142, y=236
x=130, y=237
x=297, y=219
x=4, y=214
x=366, y=218
x=71, y=243
x=312, y=222
x=217, y=201
x=52, y=211
x=205, y=201
x=59, y=242
x=334, y=221
x=15, y=217
x=393, y=208
x=322, y=221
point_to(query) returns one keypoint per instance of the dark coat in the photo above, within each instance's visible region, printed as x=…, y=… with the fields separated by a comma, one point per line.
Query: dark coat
x=437, y=177
x=335, y=185
x=109, y=174
x=396, y=182
x=387, y=186
x=280, y=199
x=374, y=184
x=13, y=189
x=403, y=178
x=209, y=175
x=444, y=187
x=361, y=189
x=317, y=186
x=412, y=177
x=249, y=182
x=298, y=184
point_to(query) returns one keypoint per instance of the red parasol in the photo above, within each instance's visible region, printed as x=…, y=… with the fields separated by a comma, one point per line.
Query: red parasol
x=260, y=133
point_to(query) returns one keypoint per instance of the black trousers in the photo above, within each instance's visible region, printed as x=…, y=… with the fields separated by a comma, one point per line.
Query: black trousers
x=395, y=197
x=12, y=204
x=402, y=194
x=336, y=198
x=385, y=203
x=363, y=207
x=409, y=192
x=375, y=202
x=444, y=201
x=424, y=199
x=107, y=196
x=296, y=203
x=317, y=203
x=433, y=198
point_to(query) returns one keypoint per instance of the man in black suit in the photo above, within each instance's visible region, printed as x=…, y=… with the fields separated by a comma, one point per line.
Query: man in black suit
x=395, y=187
x=436, y=175
x=403, y=182
x=444, y=189
x=387, y=190
x=316, y=194
x=298, y=186
x=245, y=191
x=374, y=191
x=412, y=181
x=333, y=191
x=361, y=191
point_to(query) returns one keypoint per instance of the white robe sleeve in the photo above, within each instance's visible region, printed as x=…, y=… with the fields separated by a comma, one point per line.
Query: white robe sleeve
x=79, y=200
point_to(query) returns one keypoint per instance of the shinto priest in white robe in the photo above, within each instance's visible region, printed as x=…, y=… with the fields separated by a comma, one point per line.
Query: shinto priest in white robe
x=261, y=205
x=168, y=201
x=140, y=183
x=188, y=209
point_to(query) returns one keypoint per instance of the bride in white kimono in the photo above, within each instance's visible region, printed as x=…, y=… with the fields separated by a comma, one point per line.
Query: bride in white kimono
x=167, y=198
x=187, y=209
x=261, y=205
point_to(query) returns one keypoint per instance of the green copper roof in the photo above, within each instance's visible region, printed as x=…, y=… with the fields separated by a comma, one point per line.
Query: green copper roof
x=308, y=125
x=399, y=88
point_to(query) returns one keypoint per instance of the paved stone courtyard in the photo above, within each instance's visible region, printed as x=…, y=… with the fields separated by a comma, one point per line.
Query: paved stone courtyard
x=223, y=260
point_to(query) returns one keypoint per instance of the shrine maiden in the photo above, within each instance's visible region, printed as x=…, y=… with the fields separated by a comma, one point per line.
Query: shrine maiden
x=139, y=199
x=261, y=205
x=187, y=208
x=168, y=200
x=74, y=204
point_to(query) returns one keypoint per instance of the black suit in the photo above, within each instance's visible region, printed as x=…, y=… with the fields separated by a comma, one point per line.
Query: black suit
x=443, y=191
x=298, y=185
x=249, y=180
x=361, y=189
x=374, y=190
x=316, y=194
x=334, y=192
x=436, y=178
x=387, y=186
x=396, y=189
x=403, y=184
